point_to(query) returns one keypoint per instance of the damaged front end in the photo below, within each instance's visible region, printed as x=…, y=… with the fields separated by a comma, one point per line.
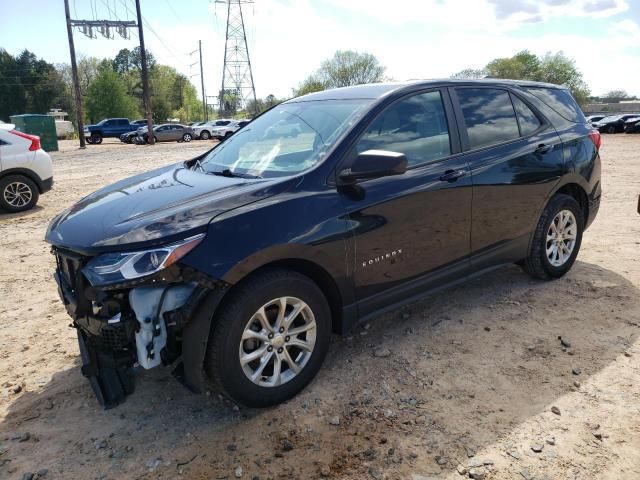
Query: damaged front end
x=137, y=309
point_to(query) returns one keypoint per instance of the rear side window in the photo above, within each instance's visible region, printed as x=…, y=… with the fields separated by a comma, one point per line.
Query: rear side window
x=561, y=101
x=415, y=126
x=488, y=116
x=527, y=120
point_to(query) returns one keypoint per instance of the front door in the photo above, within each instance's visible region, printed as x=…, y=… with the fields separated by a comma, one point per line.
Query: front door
x=411, y=229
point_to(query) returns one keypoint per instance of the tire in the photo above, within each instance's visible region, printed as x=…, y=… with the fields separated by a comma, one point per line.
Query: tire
x=18, y=193
x=204, y=135
x=130, y=140
x=540, y=264
x=88, y=140
x=228, y=134
x=611, y=129
x=155, y=139
x=96, y=138
x=238, y=312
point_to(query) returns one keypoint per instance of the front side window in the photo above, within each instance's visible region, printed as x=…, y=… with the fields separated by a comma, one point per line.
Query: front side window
x=415, y=126
x=286, y=140
x=488, y=115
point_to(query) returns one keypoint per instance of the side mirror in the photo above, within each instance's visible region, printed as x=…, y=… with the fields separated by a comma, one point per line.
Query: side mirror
x=374, y=164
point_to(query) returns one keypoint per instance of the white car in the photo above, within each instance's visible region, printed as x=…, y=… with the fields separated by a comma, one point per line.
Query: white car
x=204, y=130
x=229, y=129
x=26, y=170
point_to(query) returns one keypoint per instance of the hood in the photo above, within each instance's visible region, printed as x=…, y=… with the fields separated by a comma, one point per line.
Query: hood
x=153, y=208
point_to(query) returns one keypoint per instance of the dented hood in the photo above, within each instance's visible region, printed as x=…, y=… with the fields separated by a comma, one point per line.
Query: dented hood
x=153, y=208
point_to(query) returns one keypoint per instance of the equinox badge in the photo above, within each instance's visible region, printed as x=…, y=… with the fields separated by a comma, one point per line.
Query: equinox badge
x=381, y=258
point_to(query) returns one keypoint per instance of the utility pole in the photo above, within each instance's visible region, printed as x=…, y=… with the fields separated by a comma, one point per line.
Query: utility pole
x=74, y=74
x=237, y=76
x=204, y=101
x=145, y=78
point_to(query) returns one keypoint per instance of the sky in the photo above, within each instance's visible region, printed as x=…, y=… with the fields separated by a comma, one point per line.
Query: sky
x=288, y=39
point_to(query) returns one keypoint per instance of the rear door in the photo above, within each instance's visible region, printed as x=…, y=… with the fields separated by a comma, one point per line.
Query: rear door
x=516, y=158
x=410, y=227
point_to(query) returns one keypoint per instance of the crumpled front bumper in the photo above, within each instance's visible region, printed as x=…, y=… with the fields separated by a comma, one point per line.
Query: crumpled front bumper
x=129, y=326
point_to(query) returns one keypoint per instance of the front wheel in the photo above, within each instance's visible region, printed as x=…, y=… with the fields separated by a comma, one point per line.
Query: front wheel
x=269, y=338
x=556, y=240
x=611, y=129
x=205, y=135
x=96, y=138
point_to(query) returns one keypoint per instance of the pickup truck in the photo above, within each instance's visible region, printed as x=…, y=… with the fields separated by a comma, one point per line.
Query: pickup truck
x=110, y=127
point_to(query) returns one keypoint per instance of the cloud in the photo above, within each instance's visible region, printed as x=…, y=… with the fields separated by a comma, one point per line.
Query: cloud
x=536, y=10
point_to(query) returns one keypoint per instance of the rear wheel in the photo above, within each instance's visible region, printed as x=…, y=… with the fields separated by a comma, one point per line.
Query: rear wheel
x=96, y=138
x=269, y=338
x=187, y=137
x=557, y=239
x=18, y=193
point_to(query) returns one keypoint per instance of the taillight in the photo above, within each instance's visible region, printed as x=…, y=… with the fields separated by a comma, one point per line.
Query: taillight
x=35, y=140
x=596, y=138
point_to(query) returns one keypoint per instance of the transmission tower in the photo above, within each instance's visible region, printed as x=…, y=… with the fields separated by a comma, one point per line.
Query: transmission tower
x=237, y=77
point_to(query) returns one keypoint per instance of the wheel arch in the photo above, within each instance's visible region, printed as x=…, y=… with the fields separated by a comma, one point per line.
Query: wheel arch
x=314, y=271
x=25, y=173
x=578, y=192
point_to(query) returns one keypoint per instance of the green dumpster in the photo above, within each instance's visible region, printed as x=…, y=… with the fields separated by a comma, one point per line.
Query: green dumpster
x=42, y=125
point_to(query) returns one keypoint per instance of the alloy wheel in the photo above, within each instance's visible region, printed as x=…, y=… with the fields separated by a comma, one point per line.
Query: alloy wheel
x=561, y=238
x=278, y=341
x=17, y=194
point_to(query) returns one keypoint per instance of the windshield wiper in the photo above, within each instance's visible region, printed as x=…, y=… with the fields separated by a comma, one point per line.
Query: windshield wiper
x=228, y=173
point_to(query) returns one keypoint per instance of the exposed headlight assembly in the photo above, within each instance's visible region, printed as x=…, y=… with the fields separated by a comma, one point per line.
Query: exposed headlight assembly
x=118, y=267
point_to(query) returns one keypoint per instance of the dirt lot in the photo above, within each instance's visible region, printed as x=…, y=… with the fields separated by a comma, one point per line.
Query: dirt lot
x=470, y=379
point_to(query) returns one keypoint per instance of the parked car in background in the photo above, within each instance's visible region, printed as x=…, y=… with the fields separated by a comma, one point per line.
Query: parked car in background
x=139, y=123
x=204, y=130
x=229, y=129
x=613, y=123
x=242, y=261
x=169, y=132
x=26, y=170
x=109, y=127
x=130, y=137
x=595, y=118
x=632, y=125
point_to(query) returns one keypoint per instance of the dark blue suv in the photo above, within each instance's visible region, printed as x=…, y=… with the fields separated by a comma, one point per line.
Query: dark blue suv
x=236, y=266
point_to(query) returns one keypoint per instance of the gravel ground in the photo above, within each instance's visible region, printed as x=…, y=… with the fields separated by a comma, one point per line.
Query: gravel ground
x=463, y=383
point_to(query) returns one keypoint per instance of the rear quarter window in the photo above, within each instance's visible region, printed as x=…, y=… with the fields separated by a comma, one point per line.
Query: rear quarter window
x=560, y=101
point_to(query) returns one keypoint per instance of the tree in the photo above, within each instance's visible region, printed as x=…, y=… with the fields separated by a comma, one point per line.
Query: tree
x=554, y=68
x=523, y=65
x=29, y=84
x=561, y=70
x=230, y=103
x=261, y=104
x=470, y=73
x=344, y=69
x=107, y=97
x=616, y=96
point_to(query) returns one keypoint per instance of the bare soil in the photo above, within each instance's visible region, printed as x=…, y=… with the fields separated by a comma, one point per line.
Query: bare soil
x=470, y=380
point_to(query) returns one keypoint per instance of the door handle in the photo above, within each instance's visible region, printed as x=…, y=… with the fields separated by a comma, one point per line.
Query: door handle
x=543, y=148
x=452, y=175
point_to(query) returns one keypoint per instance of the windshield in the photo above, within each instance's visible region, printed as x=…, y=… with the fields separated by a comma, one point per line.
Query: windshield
x=288, y=139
